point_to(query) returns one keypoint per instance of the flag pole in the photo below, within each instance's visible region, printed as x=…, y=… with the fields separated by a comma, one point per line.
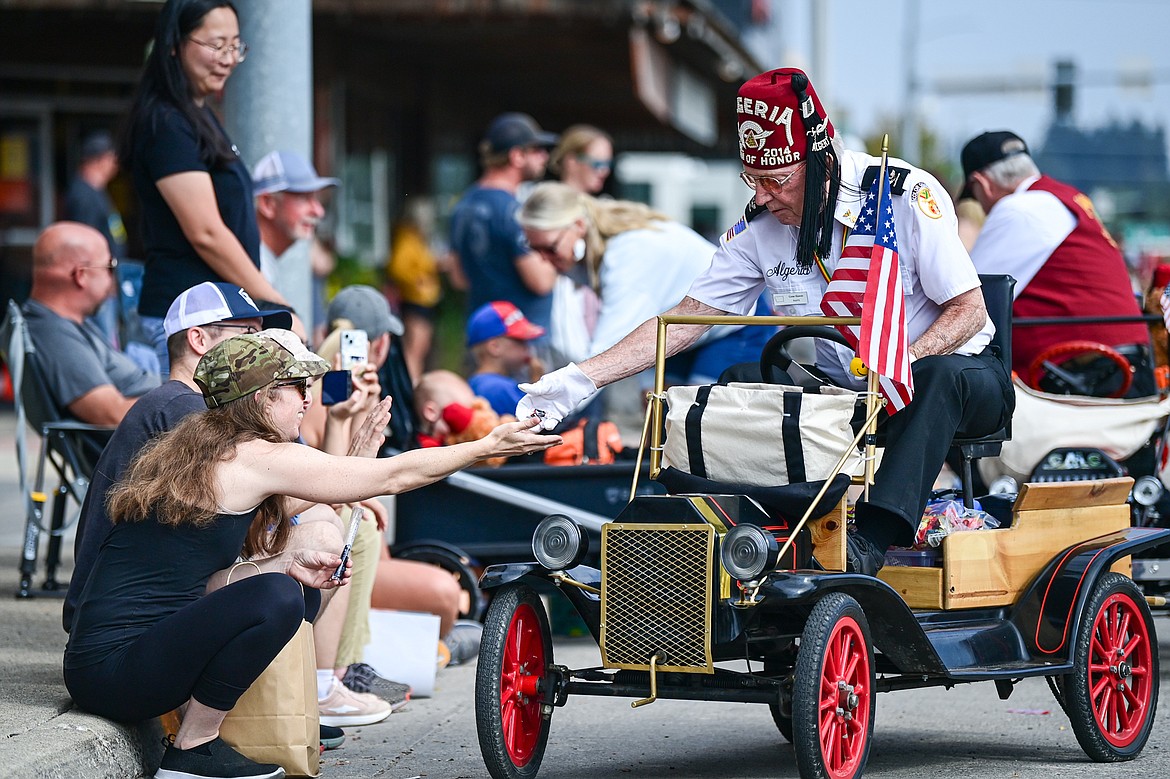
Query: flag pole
x=872, y=394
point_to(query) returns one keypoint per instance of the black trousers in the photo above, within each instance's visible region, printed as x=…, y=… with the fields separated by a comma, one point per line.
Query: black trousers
x=211, y=650
x=954, y=395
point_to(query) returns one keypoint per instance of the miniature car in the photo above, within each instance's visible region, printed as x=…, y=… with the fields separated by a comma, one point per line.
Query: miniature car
x=723, y=597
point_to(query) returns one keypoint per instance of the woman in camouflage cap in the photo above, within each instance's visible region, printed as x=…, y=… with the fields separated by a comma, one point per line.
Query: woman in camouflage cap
x=146, y=637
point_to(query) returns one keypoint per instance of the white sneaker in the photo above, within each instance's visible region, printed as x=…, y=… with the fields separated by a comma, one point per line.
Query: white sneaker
x=344, y=708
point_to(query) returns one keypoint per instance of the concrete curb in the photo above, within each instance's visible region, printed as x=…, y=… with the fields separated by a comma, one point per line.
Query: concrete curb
x=74, y=744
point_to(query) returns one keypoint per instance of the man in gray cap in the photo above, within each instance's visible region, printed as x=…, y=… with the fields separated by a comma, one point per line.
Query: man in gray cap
x=288, y=204
x=485, y=236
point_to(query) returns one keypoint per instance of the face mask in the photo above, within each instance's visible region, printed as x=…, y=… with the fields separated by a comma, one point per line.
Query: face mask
x=579, y=249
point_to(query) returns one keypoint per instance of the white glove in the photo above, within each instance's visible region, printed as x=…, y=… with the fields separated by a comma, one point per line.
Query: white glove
x=555, y=396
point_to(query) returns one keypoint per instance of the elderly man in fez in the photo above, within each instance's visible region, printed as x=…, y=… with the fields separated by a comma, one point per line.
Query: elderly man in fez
x=808, y=192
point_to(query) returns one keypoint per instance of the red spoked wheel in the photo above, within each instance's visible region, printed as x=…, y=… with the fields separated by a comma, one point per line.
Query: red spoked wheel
x=833, y=694
x=510, y=683
x=1059, y=354
x=1113, y=689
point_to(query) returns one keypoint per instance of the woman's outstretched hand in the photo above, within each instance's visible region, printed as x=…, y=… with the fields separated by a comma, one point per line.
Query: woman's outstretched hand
x=315, y=569
x=513, y=438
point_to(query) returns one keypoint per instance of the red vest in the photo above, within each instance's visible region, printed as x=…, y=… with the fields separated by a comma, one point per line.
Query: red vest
x=1084, y=276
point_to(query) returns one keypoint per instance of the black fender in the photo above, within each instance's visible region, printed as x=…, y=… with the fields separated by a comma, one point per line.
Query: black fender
x=587, y=604
x=1049, y=613
x=893, y=626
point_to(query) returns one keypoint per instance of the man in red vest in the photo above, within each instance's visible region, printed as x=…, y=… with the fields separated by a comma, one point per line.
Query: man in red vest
x=1047, y=235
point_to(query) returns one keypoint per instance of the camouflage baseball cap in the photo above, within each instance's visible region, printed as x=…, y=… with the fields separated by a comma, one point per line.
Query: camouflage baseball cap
x=246, y=363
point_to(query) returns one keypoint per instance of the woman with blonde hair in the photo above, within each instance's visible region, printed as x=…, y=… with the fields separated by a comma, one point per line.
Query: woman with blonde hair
x=640, y=263
x=149, y=633
x=583, y=158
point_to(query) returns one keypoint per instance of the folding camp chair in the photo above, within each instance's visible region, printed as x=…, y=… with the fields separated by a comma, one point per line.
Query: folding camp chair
x=69, y=448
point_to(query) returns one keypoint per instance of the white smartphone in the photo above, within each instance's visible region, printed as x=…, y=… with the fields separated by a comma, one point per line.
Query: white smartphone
x=355, y=348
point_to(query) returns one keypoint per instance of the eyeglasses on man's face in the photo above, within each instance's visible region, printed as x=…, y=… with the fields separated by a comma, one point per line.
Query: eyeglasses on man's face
x=300, y=385
x=771, y=184
x=237, y=51
x=110, y=265
x=598, y=165
x=248, y=329
x=550, y=248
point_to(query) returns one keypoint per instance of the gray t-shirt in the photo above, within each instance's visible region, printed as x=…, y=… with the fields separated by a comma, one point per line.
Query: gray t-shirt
x=75, y=358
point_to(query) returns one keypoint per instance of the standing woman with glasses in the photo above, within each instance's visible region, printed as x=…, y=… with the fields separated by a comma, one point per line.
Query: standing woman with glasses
x=640, y=263
x=583, y=159
x=197, y=215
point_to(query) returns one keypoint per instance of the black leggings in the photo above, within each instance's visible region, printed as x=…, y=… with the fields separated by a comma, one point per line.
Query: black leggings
x=210, y=650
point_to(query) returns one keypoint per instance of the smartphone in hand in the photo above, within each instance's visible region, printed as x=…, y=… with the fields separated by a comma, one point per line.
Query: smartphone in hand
x=355, y=348
x=336, y=386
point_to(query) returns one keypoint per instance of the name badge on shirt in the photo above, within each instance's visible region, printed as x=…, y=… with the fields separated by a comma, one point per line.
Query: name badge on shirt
x=797, y=298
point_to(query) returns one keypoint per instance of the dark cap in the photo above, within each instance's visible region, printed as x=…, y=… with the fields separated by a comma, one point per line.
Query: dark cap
x=507, y=131
x=982, y=150
x=96, y=144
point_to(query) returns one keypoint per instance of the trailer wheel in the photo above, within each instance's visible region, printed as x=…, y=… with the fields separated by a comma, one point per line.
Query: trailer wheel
x=455, y=562
x=1112, y=693
x=833, y=696
x=510, y=683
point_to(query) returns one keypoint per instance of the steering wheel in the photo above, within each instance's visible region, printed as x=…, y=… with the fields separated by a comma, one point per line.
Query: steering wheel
x=775, y=353
x=1098, y=368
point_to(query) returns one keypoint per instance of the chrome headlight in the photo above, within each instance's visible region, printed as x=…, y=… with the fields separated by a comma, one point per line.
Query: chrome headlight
x=748, y=551
x=559, y=543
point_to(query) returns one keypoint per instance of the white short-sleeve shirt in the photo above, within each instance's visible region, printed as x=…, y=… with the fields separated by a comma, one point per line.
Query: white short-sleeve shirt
x=760, y=256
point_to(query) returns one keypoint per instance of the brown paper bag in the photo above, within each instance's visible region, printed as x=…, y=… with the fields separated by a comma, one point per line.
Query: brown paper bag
x=276, y=720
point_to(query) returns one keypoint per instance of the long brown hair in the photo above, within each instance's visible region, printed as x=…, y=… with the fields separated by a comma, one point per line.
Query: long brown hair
x=173, y=476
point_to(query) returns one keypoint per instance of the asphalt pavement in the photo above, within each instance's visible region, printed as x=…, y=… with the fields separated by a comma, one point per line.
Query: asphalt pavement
x=920, y=734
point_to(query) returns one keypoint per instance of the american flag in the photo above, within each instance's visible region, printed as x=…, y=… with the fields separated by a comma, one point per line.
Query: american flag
x=877, y=297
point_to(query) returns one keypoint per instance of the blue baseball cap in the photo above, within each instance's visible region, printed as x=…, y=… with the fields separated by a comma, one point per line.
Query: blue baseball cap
x=219, y=301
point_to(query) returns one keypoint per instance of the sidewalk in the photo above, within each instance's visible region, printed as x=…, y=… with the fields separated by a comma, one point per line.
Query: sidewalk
x=41, y=734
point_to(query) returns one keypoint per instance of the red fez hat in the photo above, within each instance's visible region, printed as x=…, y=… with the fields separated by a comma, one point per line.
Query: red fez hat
x=780, y=115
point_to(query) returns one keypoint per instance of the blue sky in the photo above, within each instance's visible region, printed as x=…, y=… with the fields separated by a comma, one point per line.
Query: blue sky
x=1009, y=41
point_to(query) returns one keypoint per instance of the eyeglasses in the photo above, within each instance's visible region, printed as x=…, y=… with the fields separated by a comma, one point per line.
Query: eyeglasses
x=596, y=164
x=300, y=385
x=238, y=51
x=248, y=329
x=551, y=246
x=110, y=266
x=771, y=185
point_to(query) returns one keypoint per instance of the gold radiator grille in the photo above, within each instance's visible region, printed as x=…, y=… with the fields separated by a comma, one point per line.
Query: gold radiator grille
x=656, y=596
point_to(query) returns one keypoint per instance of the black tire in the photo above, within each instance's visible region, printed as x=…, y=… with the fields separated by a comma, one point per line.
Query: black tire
x=779, y=666
x=1058, y=685
x=457, y=564
x=782, y=712
x=510, y=681
x=1112, y=693
x=833, y=693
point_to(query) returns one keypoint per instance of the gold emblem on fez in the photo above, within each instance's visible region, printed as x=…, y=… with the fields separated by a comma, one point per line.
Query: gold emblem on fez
x=752, y=136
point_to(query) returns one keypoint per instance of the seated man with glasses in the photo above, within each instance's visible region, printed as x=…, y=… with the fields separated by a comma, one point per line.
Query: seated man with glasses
x=73, y=274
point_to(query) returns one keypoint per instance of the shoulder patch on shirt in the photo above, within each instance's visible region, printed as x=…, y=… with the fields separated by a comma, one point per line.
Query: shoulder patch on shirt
x=735, y=229
x=897, y=176
x=924, y=197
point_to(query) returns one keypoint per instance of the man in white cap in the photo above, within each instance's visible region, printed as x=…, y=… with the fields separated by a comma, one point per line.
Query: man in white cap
x=288, y=204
